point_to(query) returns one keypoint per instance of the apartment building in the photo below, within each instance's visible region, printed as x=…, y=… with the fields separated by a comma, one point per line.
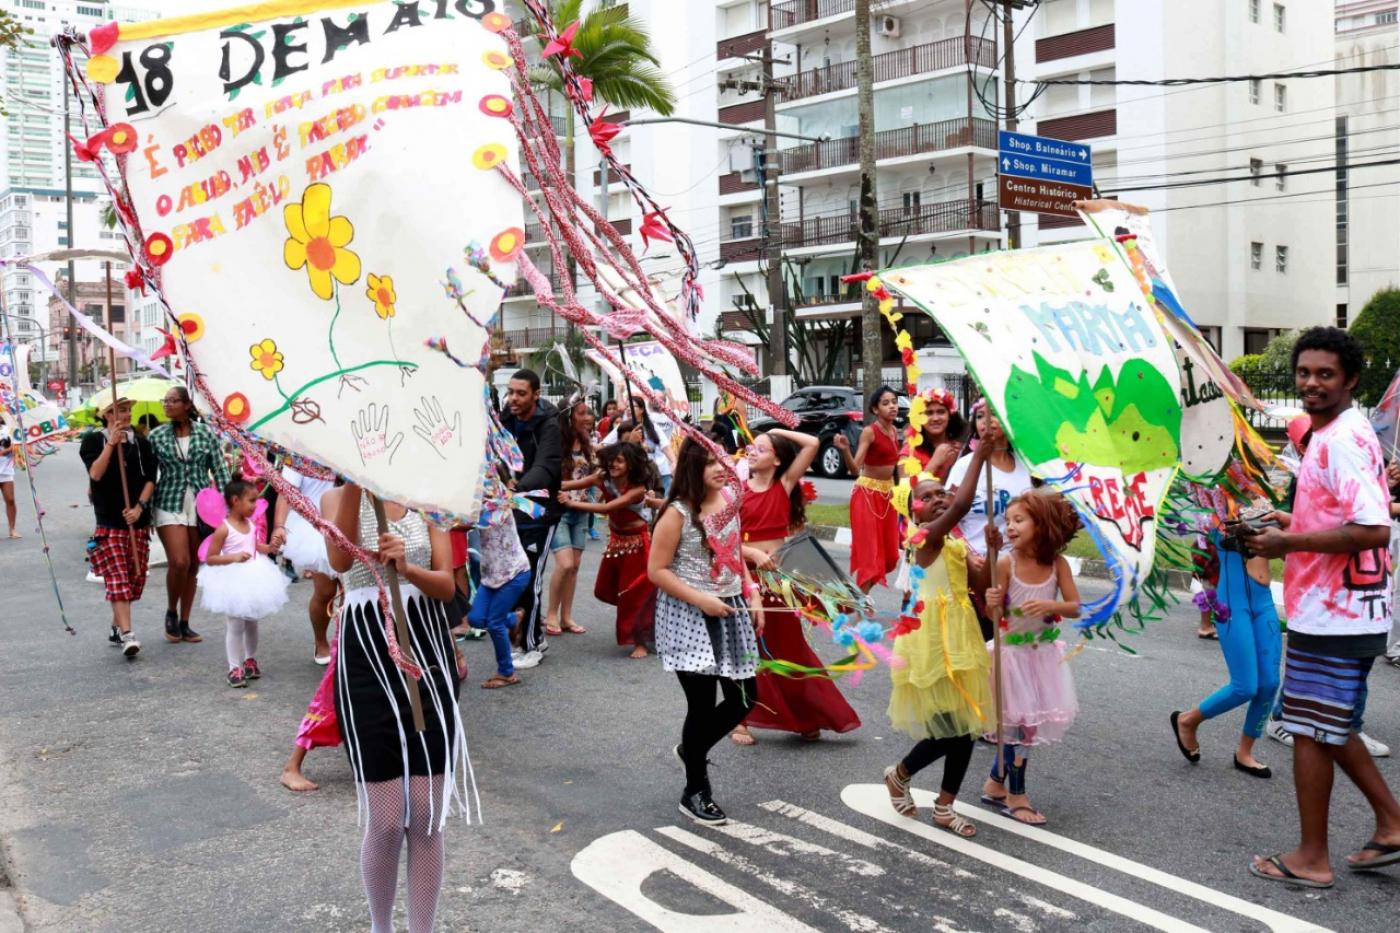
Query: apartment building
x=1239, y=176
x=667, y=157
x=936, y=70
x=1367, y=200
x=33, y=200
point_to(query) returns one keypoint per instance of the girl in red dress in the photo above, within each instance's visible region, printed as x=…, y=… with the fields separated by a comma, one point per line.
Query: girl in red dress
x=874, y=522
x=622, y=576
x=773, y=506
x=943, y=434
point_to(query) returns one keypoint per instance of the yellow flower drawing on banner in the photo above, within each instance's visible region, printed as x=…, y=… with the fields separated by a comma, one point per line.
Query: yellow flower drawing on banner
x=381, y=292
x=317, y=241
x=267, y=359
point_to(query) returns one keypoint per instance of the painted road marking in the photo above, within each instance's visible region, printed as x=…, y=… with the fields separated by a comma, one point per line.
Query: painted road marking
x=873, y=800
x=780, y=844
x=1279, y=922
x=616, y=865
x=792, y=889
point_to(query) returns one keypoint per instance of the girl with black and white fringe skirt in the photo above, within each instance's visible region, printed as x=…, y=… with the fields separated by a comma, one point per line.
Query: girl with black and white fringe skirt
x=407, y=781
x=708, y=614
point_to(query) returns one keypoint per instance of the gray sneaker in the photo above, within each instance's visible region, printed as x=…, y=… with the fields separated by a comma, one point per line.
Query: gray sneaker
x=130, y=646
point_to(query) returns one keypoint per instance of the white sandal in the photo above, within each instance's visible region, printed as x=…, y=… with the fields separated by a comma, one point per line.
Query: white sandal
x=900, y=798
x=956, y=824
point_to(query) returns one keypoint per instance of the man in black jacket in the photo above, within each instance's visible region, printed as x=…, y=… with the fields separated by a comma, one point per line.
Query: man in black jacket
x=535, y=424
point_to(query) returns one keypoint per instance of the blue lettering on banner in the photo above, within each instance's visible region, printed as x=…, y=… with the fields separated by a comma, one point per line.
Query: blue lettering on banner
x=1094, y=329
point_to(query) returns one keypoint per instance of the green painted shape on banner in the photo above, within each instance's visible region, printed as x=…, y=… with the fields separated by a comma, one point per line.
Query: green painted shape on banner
x=1132, y=421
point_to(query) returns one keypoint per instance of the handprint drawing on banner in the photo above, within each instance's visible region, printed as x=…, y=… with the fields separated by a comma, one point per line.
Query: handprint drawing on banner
x=434, y=427
x=371, y=432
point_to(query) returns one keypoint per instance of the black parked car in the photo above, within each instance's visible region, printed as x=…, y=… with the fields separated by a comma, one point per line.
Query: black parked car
x=822, y=411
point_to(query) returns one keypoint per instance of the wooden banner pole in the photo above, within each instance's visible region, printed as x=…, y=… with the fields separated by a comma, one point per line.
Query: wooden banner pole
x=391, y=574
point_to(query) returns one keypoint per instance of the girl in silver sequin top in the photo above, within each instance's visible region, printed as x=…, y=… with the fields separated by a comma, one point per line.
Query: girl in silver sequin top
x=407, y=781
x=708, y=615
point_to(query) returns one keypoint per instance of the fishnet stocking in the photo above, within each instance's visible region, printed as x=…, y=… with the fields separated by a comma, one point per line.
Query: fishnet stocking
x=384, y=836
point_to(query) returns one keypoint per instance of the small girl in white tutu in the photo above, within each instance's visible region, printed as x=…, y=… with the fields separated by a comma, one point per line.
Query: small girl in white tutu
x=240, y=582
x=1036, y=590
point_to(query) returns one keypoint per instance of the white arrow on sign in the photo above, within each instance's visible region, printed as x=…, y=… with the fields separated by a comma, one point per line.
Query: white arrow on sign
x=1005, y=164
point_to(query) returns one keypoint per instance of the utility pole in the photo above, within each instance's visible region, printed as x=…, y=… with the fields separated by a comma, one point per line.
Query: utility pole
x=72, y=279
x=1008, y=38
x=768, y=165
x=868, y=235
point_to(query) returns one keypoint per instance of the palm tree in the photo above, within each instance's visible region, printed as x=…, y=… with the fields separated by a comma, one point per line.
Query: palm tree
x=616, y=56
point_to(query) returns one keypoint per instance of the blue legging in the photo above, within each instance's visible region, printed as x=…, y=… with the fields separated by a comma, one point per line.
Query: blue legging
x=1252, y=645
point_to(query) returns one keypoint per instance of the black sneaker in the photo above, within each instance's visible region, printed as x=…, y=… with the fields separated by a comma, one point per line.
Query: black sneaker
x=115, y=639
x=236, y=678
x=188, y=634
x=172, y=626
x=700, y=808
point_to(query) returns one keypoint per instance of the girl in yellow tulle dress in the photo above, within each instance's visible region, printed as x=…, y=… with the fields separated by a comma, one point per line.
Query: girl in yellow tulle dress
x=941, y=672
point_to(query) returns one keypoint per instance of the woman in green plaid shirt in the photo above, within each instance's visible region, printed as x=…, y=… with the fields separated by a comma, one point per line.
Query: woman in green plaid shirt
x=190, y=460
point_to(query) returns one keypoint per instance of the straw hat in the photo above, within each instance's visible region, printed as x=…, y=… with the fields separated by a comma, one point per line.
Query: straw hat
x=106, y=399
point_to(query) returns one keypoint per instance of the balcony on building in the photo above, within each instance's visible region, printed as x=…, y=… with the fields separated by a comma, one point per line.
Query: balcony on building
x=800, y=21
x=520, y=290
x=1080, y=126
x=925, y=58
x=1076, y=43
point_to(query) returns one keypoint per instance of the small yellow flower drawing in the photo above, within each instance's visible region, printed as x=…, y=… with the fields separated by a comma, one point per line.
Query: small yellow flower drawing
x=317, y=241
x=381, y=292
x=267, y=359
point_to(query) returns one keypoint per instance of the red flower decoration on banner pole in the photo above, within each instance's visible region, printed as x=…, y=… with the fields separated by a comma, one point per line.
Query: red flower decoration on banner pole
x=168, y=347
x=602, y=132
x=655, y=227
x=563, y=44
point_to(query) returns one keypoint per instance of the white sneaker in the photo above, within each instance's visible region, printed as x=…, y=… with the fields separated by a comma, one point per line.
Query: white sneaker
x=528, y=660
x=130, y=647
x=1278, y=733
x=1377, y=749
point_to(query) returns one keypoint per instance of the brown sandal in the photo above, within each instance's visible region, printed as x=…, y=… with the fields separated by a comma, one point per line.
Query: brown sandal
x=497, y=681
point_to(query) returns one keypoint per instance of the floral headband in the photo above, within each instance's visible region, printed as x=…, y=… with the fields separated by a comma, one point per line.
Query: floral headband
x=941, y=397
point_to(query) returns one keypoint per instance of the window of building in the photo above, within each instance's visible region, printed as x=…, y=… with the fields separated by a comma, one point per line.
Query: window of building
x=1280, y=18
x=911, y=202
x=1343, y=202
x=1342, y=315
x=1281, y=259
x=1281, y=171
x=1254, y=11
x=1256, y=90
x=32, y=5
x=1212, y=335
x=1256, y=256
x=1256, y=168
x=1280, y=97
x=741, y=227
x=1387, y=17
x=1256, y=339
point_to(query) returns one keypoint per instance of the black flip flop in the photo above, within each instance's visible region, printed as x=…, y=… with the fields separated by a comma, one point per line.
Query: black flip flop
x=1389, y=855
x=1207, y=636
x=1286, y=875
x=1193, y=757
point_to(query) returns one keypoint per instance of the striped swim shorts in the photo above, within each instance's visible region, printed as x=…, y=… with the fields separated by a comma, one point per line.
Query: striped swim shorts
x=1323, y=697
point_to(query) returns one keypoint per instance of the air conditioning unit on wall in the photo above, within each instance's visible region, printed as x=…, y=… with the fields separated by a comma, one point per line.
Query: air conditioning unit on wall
x=889, y=27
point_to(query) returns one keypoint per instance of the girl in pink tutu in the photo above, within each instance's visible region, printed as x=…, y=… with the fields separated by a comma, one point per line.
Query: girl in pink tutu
x=1036, y=590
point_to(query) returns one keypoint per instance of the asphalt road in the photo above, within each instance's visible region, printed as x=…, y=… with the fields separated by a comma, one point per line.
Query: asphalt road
x=144, y=796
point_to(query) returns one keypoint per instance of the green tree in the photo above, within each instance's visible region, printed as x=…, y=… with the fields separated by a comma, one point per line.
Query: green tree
x=1377, y=328
x=12, y=35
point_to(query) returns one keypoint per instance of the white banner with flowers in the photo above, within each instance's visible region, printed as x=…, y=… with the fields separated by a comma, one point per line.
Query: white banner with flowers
x=313, y=186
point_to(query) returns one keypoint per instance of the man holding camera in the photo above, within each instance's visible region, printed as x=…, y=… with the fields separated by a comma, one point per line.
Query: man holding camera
x=1337, y=600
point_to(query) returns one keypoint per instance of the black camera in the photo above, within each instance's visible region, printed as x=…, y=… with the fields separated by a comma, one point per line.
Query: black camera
x=1238, y=532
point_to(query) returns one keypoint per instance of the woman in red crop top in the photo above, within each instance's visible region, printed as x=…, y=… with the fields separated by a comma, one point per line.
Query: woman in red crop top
x=874, y=523
x=622, y=576
x=773, y=507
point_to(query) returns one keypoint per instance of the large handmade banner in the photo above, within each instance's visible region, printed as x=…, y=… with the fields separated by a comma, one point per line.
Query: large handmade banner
x=1209, y=389
x=1082, y=378
x=652, y=365
x=25, y=415
x=314, y=187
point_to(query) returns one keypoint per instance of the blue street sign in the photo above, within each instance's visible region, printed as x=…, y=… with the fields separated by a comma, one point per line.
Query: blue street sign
x=1069, y=173
x=1043, y=147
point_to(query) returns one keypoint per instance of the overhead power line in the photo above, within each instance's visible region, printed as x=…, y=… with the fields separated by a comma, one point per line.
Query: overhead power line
x=1218, y=79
